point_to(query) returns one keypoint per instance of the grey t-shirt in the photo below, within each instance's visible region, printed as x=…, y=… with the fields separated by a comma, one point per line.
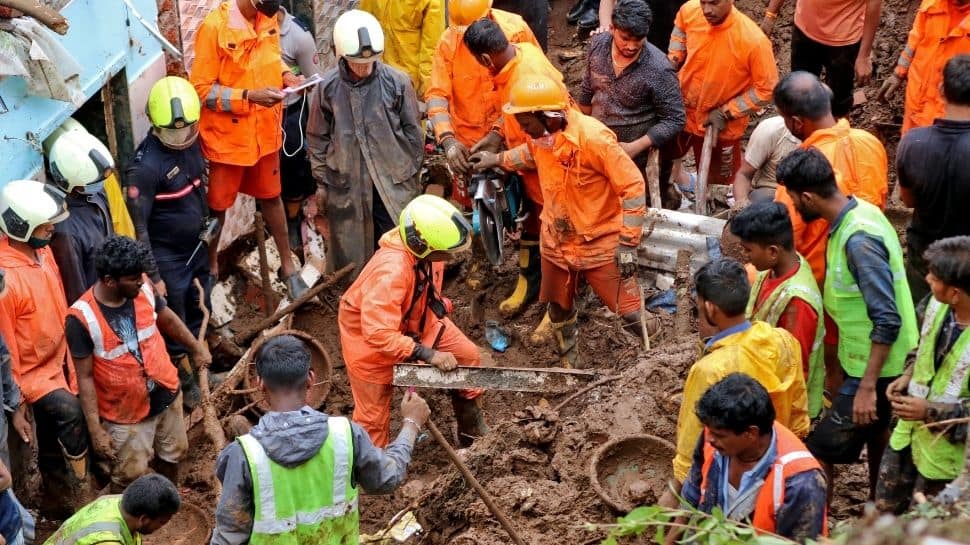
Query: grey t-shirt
x=298, y=51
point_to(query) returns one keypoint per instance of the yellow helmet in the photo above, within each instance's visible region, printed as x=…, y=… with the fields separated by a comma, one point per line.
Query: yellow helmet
x=428, y=224
x=173, y=103
x=535, y=93
x=462, y=13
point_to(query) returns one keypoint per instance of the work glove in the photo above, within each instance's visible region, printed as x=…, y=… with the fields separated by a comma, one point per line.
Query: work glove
x=626, y=260
x=484, y=160
x=889, y=88
x=457, y=155
x=491, y=142
x=717, y=118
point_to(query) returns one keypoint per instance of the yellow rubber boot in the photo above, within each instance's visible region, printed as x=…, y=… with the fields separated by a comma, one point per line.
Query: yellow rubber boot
x=527, y=284
x=542, y=334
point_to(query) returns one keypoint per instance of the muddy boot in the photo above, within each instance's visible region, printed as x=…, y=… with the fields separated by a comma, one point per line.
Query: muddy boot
x=542, y=334
x=189, y=379
x=80, y=490
x=632, y=324
x=527, y=285
x=567, y=341
x=478, y=265
x=471, y=421
x=168, y=470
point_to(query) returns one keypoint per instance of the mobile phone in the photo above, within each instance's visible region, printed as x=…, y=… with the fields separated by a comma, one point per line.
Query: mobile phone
x=309, y=82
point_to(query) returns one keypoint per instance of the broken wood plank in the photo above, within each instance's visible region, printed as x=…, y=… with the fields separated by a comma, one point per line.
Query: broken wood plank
x=511, y=379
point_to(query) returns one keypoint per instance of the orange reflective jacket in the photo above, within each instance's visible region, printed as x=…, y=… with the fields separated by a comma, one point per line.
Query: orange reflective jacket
x=529, y=59
x=593, y=192
x=791, y=458
x=120, y=380
x=231, y=56
x=32, y=312
x=379, y=318
x=861, y=169
x=940, y=32
x=462, y=99
x=728, y=66
x=411, y=30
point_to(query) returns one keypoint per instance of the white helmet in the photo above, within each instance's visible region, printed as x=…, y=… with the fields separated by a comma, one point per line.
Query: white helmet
x=28, y=204
x=78, y=159
x=358, y=37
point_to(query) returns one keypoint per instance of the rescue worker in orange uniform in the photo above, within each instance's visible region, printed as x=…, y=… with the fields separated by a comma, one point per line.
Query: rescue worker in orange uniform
x=940, y=32
x=857, y=156
x=32, y=312
x=508, y=63
x=129, y=388
x=395, y=312
x=595, y=206
x=411, y=30
x=239, y=75
x=773, y=481
x=727, y=72
x=461, y=99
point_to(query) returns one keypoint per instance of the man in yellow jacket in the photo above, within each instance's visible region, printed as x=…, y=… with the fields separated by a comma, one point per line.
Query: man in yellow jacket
x=411, y=32
x=732, y=344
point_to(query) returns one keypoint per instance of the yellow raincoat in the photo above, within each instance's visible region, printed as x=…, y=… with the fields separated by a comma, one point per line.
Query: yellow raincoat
x=411, y=32
x=768, y=354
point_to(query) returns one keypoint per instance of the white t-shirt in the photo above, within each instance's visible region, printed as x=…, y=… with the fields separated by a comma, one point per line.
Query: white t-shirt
x=769, y=143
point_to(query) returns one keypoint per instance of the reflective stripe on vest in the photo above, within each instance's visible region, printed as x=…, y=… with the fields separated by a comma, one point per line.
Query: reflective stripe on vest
x=97, y=337
x=268, y=522
x=778, y=488
x=100, y=521
x=107, y=526
x=922, y=383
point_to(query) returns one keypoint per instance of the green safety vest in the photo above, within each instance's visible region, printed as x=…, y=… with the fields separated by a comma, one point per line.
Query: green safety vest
x=100, y=521
x=935, y=457
x=801, y=285
x=313, y=503
x=843, y=300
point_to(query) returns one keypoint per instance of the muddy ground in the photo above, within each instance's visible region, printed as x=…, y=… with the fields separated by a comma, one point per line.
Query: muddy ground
x=536, y=459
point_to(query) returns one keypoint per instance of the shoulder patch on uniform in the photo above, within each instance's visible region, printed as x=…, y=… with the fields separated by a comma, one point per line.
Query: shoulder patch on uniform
x=172, y=173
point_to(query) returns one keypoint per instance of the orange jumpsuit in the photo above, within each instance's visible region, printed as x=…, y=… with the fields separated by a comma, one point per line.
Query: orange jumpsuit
x=729, y=66
x=240, y=139
x=32, y=313
x=462, y=100
x=940, y=32
x=861, y=169
x=377, y=330
x=595, y=200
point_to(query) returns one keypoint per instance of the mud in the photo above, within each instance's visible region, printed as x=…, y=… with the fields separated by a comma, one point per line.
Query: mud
x=190, y=526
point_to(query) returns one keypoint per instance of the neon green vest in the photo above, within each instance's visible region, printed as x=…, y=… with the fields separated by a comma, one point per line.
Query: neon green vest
x=100, y=521
x=801, y=285
x=935, y=457
x=843, y=300
x=310, y=504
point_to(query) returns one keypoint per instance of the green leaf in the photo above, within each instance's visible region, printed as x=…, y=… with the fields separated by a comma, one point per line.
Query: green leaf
x=610, y=540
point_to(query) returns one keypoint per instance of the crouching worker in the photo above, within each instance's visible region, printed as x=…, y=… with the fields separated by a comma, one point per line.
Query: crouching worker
x=394, y=312
x=145, y=506
x=751, y=467
x=921, y=459
x=294, y=478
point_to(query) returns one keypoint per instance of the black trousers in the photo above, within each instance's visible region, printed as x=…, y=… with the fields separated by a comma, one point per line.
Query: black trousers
x=838, y=63
x=60, y=422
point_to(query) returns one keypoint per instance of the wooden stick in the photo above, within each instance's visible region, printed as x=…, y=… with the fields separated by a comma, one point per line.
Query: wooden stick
x=247, y=335
x=643, y=319
x=653, y=178
x=682, y=293
x=582, y=391
x=268, y=299
x=704, y=171
x=470, y=479
x=209, y=419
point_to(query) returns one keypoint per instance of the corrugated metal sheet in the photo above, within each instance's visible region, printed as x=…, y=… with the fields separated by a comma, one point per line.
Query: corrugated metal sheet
x=325, y=13
x=191, y=15
x=666, y=231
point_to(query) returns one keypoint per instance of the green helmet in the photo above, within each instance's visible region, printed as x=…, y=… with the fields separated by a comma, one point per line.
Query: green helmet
x=173, y=103
x=430, y=224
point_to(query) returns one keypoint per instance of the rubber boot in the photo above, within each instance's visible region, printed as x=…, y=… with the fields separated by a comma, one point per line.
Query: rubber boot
x=542, y=334
x=294, y=217
x=577, y=11
x=189, y=379
x=479, y=265
x=527, y=285
x=567, y=341
x=470, y=419
x=168, y=470
x=77, y=464
x=80, y=491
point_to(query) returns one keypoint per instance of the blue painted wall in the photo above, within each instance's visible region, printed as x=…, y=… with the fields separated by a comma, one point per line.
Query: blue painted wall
x=104, y=39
